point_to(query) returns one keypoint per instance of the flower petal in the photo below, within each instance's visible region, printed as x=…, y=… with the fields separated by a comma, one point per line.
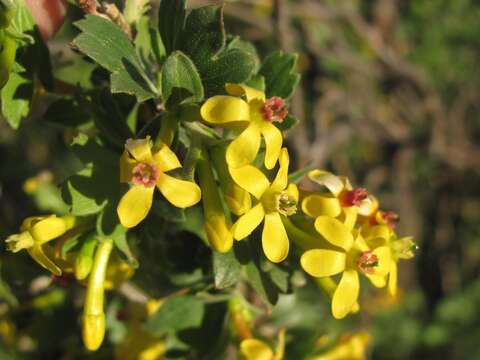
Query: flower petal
x=349, y=216
x=165, y=159
x=292, y=190
x=384, y=260
x=273, y=143
x=126, y=167
x=181, y=193
x=332, y=182
x=346, y=294
x=135, y=205
x=377, y=280
x=281, y=180
x=253, y=349
x=251, y=179
x=248, y=222
x=48, y=229
x=244, y=149
x=140, y=149
x=320, y=262
x=249, y=92
x=334, y=231
x=317, y=205
x=274, y=238
x=37, y=254
x=392, y=278
x=225, y=109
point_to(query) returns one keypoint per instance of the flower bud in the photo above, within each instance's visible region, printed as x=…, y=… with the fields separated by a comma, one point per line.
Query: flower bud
x=84, y=259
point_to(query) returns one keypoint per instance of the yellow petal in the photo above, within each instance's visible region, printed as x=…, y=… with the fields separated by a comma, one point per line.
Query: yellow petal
x=37, y=253
x=253, y=349
x=165, y=159
x=377, y=231
x=292, y=190
x=332, y=182
x=349, y=216
x=140, y=149
x=368, y=206
x=244, y=149
x=392, y=278
x=280, y=349
x=251, y=179
x=334, y=231
x=377, y=280
x=274, y=238
x=320, y=262
x=346, y=294
x=225, y=109
x=281, y=180
x=384, y=259
x=317, y=205
x=360, y=243
x=248, y=222
x=30, y=221
x=135, y=205
x=238, y=200
x=273, y=143
x=126, y=167
x=48, y=229
x=249, y=92
x=180, y=193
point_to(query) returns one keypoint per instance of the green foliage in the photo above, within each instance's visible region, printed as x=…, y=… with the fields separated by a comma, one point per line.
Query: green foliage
x=105, y=43
x=280, y=76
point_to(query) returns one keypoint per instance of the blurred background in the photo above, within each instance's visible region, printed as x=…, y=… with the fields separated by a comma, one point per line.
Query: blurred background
x=389, y=97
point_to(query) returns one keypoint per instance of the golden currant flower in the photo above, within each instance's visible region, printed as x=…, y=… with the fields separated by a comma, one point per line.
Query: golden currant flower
x=275, y=199
x=255, y=349
x=351, y=347
x=349, y=256
x=341, y=200
x=36, y=232
x=256, y=116
x=145, y=169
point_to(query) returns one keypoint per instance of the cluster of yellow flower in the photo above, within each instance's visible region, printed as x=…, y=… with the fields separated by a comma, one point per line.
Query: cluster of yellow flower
x=339, y=229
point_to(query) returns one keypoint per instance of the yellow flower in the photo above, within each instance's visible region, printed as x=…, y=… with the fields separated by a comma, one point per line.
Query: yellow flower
x=351, y=347
x=145, y=170
x=255, y=115
x=254, y=349
x=35, y=233
x=274, y=199
x=348, y=256
x=341, y=201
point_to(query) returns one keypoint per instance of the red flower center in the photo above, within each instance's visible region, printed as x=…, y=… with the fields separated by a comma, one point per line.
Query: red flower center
x=274, y=109
x=145, y=174
x=367, y=262
x=353, y=197
x=390, y=218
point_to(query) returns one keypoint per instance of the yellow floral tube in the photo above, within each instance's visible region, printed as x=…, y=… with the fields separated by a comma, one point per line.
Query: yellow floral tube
x=238, y=200
x=93, y=330
x=216, y=225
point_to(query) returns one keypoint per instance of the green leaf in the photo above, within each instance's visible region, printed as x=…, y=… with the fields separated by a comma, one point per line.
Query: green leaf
x=16, y=97
x=171, y=19
x=177, y=313
x=226, y=269
x=280, y=76
x=298, y=175
x=204, y=41
x=105, y=43
x=288, y=123
x=181, y=82
x=245, y=46
x=23, y=24
x=96, y=185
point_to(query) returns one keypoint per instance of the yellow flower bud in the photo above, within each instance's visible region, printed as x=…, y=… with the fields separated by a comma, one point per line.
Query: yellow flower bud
x=93, y=330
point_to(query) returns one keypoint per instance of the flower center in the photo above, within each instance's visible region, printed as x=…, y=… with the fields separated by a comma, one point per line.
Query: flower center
x=274, y=109
x=353, y=197
x=285, y=204
x=367, y=262
x=145, y=174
